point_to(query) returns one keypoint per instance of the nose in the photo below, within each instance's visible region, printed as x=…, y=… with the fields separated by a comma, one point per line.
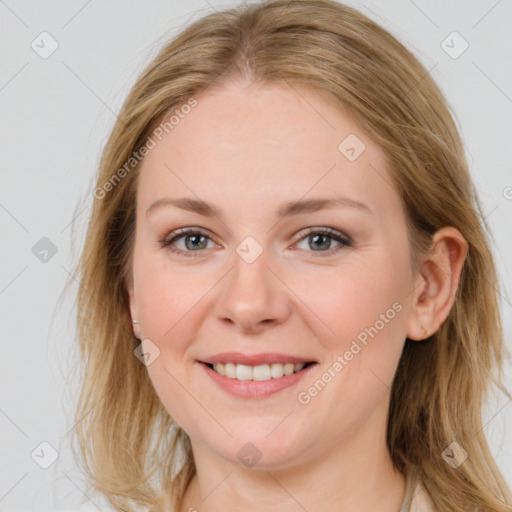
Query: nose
x=253, y=297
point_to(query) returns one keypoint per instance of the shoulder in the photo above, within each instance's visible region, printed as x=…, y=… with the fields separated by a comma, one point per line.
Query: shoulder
x=420, y=500
x=162, y=505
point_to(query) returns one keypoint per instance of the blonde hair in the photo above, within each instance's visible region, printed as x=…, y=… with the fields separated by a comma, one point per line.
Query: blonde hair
x=131, y=449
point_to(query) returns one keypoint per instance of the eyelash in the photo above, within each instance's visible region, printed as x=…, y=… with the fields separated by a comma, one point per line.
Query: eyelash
x=344, y=240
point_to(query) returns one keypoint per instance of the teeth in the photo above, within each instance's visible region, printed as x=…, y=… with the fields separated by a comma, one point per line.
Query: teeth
x=258, y=373
x=243, y=372
x=221, y=369
x=261, y=372
x=230, y=370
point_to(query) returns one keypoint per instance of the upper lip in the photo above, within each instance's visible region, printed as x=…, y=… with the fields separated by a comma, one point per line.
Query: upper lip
x=254, y=359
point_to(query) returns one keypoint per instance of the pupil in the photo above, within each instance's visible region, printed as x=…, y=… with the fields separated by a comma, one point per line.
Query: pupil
x=315, y=238
x=195, y=237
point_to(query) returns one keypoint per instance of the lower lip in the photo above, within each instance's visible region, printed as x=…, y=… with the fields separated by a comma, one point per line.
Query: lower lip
x=254, y=388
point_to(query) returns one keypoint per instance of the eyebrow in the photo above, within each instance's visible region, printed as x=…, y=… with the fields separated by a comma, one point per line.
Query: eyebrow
x=286, y=210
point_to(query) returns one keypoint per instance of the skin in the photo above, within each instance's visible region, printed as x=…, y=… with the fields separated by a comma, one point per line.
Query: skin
x=248, y=149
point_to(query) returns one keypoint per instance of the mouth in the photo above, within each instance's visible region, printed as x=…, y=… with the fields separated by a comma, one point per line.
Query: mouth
x=259, y=373
x=256, y=376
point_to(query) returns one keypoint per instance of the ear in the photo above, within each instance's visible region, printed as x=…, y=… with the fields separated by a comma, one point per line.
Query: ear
x=133, y=306
x=437, y=283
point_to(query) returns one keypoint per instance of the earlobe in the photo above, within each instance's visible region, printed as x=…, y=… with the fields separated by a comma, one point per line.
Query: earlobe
x=136, y=329
x=439, y=278
x=133, y=309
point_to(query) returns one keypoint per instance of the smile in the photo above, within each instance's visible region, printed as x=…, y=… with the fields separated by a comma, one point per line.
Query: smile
x=258, y=373
x=255, y=381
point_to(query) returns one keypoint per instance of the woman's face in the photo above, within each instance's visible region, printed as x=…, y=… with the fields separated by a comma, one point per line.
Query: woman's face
x=260, y=282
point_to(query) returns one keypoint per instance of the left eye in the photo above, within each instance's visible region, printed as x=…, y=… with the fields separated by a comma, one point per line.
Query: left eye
x=195, y=240
x=322, y=239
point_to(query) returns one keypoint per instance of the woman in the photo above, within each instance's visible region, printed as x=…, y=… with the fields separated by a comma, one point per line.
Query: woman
x=284, y=277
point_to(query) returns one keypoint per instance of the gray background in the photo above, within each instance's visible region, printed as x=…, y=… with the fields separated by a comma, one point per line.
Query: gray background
x=56, y=114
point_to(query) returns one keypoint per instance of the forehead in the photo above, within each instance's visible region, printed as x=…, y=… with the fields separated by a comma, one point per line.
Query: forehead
x=266, y=142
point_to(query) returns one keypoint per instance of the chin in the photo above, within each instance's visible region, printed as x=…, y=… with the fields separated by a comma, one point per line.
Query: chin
x=259, y=450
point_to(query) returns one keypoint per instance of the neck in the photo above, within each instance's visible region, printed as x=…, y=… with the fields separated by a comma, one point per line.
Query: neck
x=356, y=475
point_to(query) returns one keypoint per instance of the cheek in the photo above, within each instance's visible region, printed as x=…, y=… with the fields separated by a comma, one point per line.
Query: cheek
x=166, y=294
x=170, y=305
x=365, y=308
x=365, y=311
x=353, y=301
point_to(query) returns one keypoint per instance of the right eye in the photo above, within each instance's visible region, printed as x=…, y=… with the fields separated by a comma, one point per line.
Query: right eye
x=194, y=241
